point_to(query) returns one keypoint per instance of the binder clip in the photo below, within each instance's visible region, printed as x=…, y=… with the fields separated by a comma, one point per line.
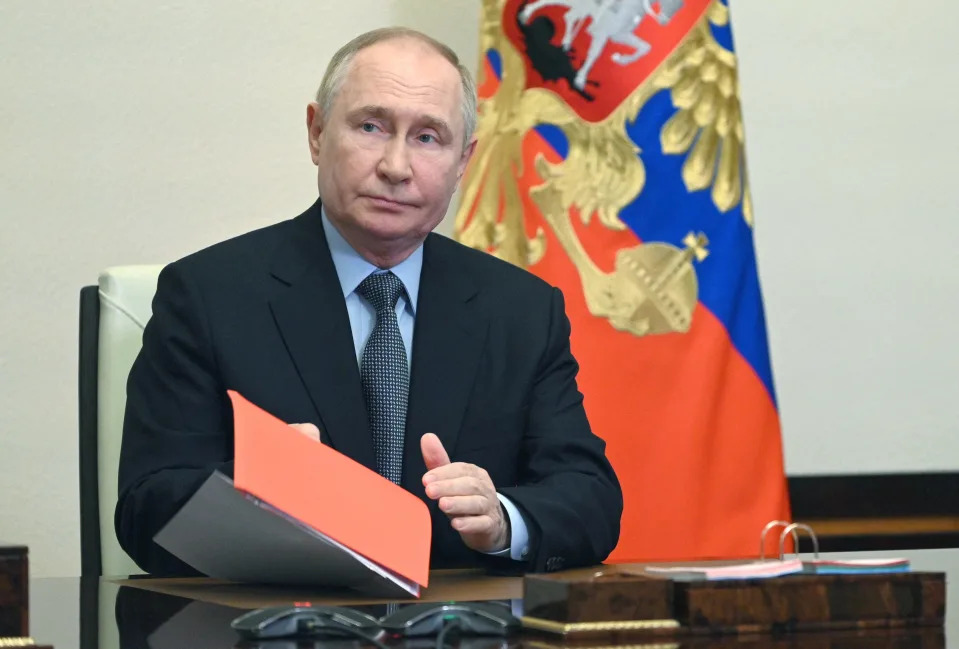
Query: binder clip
x=788, y=528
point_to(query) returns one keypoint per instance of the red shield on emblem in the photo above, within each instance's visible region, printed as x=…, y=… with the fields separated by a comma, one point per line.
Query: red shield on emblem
x=595, y=53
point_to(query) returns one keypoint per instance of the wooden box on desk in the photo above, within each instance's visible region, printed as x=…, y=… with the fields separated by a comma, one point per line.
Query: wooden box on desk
x=625, y=604
x=13, y=591
x=603, y=596
x=609, y=607
x=814, y=602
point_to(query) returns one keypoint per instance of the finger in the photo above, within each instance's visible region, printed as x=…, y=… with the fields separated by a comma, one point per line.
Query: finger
x=452, y=471
x=465, y=505
x=434, y=455
x=460, y=486
x=456, y=470
x=310, y=430
x=480, y=526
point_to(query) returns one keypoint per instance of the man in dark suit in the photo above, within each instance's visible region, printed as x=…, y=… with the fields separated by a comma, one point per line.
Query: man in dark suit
x=443, y=368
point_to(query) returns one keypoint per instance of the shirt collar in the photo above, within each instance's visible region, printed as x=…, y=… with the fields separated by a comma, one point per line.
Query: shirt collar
x=351, y=268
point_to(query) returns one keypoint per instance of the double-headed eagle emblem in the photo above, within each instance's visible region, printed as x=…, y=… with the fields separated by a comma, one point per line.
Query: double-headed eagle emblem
x=561, y=70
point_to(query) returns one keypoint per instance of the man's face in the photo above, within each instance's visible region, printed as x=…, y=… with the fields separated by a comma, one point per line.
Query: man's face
x=390, y=152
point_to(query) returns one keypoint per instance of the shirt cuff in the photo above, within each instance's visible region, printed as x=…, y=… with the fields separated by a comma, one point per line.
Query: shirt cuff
x=518, y=548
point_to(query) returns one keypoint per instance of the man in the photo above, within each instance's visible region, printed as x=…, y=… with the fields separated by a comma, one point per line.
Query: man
x=443, y=368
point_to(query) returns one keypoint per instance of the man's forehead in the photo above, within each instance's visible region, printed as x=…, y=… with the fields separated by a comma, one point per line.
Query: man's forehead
x=381, y=76
x=388, y=77
x=406, y=60
x=390, y=48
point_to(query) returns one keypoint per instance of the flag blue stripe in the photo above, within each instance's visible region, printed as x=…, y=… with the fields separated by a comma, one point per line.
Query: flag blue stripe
x=666, y=211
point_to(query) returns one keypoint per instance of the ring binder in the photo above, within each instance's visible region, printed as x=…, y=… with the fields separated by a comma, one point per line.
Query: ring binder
x=792, y=527
x=788, y=527
x=762, y=537
x=780, y=567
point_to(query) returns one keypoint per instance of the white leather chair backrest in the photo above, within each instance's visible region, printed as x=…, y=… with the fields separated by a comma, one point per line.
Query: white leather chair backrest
x=126, y=296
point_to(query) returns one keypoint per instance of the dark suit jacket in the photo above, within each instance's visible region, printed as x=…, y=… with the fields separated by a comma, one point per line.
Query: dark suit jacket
x=264, y=314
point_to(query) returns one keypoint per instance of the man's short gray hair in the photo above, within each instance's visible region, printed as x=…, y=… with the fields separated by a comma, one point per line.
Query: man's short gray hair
x=339, y=66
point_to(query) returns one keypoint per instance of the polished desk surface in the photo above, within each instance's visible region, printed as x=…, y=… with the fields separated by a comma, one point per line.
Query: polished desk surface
x=178, y=613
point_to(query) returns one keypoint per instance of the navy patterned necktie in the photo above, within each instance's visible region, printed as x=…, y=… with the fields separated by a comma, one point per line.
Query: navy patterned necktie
x=385, y=374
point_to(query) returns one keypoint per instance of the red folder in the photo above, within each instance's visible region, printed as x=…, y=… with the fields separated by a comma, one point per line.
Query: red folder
x=330, y=492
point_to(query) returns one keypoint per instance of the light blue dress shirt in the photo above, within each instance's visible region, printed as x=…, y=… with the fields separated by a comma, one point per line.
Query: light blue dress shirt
x=351, y=269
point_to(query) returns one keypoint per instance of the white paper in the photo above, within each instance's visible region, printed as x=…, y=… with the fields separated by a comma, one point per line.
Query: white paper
x=226, y=534
x=755, y=570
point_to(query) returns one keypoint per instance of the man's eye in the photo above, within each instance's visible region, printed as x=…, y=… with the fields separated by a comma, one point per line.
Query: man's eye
x=426, y=138
x=368, y=128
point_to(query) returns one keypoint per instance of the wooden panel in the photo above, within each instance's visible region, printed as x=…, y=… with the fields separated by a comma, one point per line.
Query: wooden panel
x=873, y=496
x=814, y=602
x=894, y=511
x=444, y=585
x=610, y=597
x=14, y=600
x=856, y=526
x=916, y=638
x=765, y=606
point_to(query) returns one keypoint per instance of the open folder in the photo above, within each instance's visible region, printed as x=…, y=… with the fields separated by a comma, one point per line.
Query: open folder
x=299, y=512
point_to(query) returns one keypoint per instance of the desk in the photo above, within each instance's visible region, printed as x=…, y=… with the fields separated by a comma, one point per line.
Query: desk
x=74, y=613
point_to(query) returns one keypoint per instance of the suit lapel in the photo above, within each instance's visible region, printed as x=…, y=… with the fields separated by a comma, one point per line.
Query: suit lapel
x=448, y=339
x=310, y=312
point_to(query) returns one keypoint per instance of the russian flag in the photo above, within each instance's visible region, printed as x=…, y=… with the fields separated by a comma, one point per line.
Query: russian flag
x=663, y=295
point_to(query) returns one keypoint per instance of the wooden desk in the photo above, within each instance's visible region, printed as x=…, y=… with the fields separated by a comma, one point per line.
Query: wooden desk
x=445, y=585
x=178, y=613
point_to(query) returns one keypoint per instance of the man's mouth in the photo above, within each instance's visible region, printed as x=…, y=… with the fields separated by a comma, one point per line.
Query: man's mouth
x=388, y=203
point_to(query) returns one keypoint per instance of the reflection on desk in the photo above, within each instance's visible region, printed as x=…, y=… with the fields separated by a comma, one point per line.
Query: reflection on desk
x=177, y=613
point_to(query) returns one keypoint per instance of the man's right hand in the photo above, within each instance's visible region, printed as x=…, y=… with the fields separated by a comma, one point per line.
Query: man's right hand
x=466, y=494
x=310, y=430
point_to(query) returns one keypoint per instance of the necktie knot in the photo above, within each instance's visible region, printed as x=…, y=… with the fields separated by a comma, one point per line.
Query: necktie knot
x=382, y=290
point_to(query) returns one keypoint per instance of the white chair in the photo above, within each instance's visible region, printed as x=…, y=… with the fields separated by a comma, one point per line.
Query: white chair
x=112, y=317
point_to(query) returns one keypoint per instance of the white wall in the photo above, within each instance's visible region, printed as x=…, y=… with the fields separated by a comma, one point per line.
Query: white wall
x=136, y=132
x=852, y=128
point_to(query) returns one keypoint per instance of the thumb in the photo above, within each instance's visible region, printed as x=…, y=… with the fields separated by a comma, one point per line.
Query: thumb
x=434, y=455
x=310, y=430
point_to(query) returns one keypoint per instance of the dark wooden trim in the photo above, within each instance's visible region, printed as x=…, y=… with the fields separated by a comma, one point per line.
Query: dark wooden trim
x=14, y=591
x=878, y=511
x=867, y=496
x=890, y=542
x=885, y=526
x=90, y=564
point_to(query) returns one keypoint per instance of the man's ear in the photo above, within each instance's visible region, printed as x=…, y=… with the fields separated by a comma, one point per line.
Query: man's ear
x=314, y=128
x=465, y=158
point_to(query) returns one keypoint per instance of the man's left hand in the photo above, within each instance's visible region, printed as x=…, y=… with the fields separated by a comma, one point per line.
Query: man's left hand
x=466, y=494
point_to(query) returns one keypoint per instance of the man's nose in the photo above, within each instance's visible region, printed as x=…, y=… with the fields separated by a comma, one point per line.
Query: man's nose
x=395, y=163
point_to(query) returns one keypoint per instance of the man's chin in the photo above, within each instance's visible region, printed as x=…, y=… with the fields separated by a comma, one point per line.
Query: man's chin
x=394, y=227
x=387, y=232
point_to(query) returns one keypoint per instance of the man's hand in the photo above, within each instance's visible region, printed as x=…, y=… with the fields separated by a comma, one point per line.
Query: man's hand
x=466, y=495
x=310, y=430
